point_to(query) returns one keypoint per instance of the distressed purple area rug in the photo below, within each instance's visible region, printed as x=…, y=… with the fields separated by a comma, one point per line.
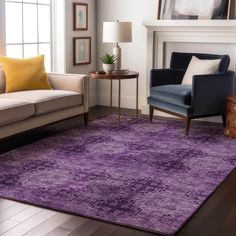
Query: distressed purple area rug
x=148, y=176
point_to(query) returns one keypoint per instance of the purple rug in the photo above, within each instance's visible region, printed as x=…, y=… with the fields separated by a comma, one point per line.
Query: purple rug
x=147, y=176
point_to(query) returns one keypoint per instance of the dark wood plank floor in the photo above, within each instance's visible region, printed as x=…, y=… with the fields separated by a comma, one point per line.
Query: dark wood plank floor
x=217, y=216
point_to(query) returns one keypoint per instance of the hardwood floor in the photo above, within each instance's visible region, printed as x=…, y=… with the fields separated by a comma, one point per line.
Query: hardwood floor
x=217, y=216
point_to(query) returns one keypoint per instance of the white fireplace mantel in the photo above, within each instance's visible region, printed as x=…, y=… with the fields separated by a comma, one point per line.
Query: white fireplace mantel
x=160, y=32
x=186, y=31
x=190, y=25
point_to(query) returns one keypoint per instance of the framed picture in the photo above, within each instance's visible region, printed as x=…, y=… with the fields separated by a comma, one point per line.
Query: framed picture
x=192, y=9
x=221, y=9
x=82, y=50
x=80, y=16
x=159, y=4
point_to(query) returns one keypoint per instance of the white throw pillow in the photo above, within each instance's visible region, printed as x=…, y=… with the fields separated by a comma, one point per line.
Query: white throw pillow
x=200, y=67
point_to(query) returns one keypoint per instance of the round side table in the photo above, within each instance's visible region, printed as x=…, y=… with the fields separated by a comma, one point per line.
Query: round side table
x=230, y=129
x=130, y=75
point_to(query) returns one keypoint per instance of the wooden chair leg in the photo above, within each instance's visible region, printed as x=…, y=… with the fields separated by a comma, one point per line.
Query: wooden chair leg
x=187, y=125
x=224, y=119
x=150, y=114
x=86, y=118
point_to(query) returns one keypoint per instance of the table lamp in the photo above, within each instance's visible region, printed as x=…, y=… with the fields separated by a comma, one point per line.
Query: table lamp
x=117, y=32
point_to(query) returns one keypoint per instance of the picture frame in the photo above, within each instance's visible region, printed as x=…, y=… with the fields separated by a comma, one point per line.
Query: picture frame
x=81, y=50
x=80, y=16
x=194, y=10
x=158, y=6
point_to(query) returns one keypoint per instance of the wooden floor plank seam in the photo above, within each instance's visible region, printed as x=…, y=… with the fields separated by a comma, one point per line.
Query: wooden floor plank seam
x=48, y=225
x=29, y=224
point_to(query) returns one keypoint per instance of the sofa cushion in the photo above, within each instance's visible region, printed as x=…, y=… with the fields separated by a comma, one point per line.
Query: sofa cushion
x=174, y=94
x=46, y=101
x=12, y=110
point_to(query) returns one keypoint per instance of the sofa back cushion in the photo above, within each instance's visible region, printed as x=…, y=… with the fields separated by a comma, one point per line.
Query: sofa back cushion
x=181, y=60
x=2, y=81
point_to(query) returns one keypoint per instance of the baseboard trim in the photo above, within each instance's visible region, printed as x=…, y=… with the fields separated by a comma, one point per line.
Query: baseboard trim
x=126, y=101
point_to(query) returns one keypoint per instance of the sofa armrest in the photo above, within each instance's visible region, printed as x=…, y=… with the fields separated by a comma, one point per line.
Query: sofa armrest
x=166, y=76
x=209, y=92
x=71, y=82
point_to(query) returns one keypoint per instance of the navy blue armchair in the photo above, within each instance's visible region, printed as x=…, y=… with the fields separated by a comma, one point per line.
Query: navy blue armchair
x=205, y=97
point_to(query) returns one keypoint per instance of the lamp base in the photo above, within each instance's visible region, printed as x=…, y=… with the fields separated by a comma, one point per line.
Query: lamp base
x=117, y=53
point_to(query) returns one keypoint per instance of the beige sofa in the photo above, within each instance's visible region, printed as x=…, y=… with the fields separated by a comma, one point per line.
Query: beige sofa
x=26, y=110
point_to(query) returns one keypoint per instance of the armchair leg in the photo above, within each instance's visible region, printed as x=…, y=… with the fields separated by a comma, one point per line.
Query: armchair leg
x=224, y=119
x=150, y=114
x=86, y=118
x=187, y=125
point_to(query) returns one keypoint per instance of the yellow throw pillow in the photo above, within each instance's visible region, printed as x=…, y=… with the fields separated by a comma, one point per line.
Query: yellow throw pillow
x=24, y=74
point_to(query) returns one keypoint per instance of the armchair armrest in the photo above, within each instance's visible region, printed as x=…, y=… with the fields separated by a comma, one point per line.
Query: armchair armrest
x=71, y=82
x=209, y=92
x=166, y=76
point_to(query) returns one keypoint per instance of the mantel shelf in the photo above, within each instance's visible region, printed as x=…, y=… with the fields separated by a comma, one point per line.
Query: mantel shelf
x=191, y=25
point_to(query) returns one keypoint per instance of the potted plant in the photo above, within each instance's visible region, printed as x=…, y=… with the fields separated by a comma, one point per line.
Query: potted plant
x=108, y=62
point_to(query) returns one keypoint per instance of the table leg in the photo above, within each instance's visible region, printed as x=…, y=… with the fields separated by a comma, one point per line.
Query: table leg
x=88, y=83
x=119, y=101
x=111, y=97
x=136, y=97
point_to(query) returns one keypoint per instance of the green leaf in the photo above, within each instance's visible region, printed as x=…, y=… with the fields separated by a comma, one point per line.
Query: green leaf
x=108, y=59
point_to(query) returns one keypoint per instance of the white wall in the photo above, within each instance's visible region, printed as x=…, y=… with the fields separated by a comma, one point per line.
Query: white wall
x=59, y=36
x=133, y=54
x=2, y=28
x=70, y=33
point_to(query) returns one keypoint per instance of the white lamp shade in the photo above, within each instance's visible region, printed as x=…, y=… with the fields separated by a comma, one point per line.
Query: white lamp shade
x=115, y=32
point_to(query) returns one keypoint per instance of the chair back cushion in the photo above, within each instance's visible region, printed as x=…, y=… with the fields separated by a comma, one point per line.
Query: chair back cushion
x=181, y=60
x=2, y=81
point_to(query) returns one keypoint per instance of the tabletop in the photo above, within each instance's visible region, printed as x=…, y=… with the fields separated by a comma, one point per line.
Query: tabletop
x=113, y=76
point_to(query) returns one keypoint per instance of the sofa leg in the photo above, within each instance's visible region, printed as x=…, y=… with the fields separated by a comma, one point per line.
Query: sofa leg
x=150, y=114
x=187, y=125
x=86, y=118
x=224, y=119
